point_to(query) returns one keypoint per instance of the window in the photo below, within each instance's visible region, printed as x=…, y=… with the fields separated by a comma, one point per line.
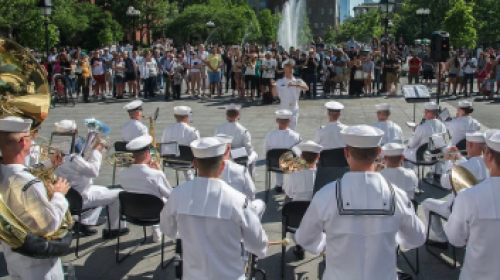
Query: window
x=322, y=11
x=315, y=25
x=310, y=11
x=322, y=25
x=331, y=11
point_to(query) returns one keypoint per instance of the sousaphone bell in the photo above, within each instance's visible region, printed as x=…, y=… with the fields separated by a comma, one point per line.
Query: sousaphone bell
x=461, y=178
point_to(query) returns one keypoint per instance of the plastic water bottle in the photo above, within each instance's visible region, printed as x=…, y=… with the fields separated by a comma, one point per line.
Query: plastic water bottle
x=71, y=272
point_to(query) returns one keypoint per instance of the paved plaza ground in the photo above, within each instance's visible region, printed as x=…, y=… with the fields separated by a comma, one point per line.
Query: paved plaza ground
x=99, y=260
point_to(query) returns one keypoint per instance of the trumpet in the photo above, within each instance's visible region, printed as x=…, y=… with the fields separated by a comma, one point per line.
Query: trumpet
x=428, y=156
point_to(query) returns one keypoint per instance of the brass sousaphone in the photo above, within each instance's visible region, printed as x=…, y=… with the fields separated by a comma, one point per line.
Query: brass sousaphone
x=25, y=93
x=461, y=178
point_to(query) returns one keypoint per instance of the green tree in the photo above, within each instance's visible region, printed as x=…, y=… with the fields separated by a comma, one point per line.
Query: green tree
x=459, y=22
x=305, y=33
x=330, y=34
x=487, y=21
x=267, y=26
x=363, y=27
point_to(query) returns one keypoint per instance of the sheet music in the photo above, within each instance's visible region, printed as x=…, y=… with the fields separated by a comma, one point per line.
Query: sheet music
x=411, y=124
x=170, y=149
x=444, y=115
x=437, y=142
x=416, y=92
x=238, y=153
x=62, y=143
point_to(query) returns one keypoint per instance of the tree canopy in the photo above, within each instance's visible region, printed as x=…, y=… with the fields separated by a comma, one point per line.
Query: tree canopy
x=362, y=27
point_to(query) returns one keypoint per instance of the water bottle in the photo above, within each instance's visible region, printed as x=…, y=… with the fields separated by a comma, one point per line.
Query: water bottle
x=71, y=275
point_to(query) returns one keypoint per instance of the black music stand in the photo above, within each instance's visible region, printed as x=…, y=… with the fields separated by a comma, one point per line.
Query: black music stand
x=416, y=94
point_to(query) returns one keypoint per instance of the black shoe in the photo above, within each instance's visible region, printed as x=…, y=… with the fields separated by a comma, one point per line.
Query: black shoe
x=278, y=189
x=440, y=245
x=111, y=234
x=299, y=252
x=83, y=229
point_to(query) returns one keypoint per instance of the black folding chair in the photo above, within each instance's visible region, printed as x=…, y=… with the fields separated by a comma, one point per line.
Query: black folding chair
x=120, y=147
x=75, y=202
x=141, y=210
x=326, y=175
x=415, y=268
x=435, y=254
x=462, y=146
x=292, y=214
x=421, y=163
x=183, y=162
x=333, y=158
x=273, y=165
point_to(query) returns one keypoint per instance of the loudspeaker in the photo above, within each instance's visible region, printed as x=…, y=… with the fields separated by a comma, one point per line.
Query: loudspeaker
x=440, y=46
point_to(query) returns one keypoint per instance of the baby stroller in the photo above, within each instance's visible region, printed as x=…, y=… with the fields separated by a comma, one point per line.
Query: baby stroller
x=60, y=91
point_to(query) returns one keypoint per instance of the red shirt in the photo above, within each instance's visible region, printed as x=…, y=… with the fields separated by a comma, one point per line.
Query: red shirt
x=415, y=62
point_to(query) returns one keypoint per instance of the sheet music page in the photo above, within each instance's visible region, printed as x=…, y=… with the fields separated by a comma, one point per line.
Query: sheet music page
x=169, y=149
x=416, y=91
x=444, y=115
x=239, y=152
x=438, y=141
x=62, y=143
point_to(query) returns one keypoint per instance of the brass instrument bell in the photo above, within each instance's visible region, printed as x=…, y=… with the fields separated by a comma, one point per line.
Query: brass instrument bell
x=461, y=178
x=289, y=163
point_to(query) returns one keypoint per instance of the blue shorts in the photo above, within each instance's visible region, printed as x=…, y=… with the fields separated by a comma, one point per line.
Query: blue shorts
x=214, y=77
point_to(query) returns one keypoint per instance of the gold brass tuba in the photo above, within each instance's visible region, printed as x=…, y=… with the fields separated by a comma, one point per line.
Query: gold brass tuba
x=290, y=163
x=25, y=93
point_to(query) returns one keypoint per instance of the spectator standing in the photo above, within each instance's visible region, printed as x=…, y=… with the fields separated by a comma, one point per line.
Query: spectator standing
x=214, y=63
x=469, y=66
x=98, y=75
x=107, y=59
x=168, y=64
x=311, y=74
x=352, y=43
x=118, y=67
x=377, y=60
x=368, y=67
x=428, y=69
x=391, y=67
x=482, y=70
x=130, y=73
x=415, y=64
x=453, y=67
x=149, y=71
x=320, y=49
x=194, y=72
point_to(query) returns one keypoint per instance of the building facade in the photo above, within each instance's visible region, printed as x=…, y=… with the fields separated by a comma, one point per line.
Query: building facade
x=344, y=9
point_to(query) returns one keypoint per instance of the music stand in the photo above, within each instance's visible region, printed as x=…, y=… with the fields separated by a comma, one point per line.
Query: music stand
x=63, y=141
x=416, y=94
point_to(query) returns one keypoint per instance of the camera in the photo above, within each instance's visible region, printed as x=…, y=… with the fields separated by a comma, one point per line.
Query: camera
x=196, y=63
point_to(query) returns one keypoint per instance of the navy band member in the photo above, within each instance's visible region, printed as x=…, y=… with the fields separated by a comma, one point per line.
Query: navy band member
x=28, y=198
x=281, y=138
x=405, y=178
x=361, y=218
x=392, y=131
x=134, y=128
x=212, y=219
x=328, y=136
x=463, y=123
x=475, y=219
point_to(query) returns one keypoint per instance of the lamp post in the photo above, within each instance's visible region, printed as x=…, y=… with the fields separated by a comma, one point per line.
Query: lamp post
x=134, y=14
x=422, y=13
x=211, y=27
x=389, y=7
x=45, y=8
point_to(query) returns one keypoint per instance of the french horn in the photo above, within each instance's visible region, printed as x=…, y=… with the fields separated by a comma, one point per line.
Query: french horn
x=461, y=178
x=289, y=163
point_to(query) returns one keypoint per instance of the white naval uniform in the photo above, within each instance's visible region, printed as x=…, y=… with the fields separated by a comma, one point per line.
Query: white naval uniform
x=142, y=179
x=392, y=132
x=475, y=222
x=299, y=186
x=329, y=136
x=458, y=128
x=441, y=206
x=289, y=98
x=404, y=178
x=80, y=174
x=133, y=129
x=183, y=134
x=281, y=139
x=241, y=138
x=360, y=247
x=421, y=136
x=238, y=177
x=212, y=219
x=32, y=207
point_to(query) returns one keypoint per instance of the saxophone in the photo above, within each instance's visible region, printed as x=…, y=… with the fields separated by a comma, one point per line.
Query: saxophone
x=155, y=154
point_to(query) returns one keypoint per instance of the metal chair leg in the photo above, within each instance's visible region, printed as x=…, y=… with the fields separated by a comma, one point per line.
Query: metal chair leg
x=267, y=186
x=114, y=174
x=177, y=177
x=437, y=255
x=78, y=234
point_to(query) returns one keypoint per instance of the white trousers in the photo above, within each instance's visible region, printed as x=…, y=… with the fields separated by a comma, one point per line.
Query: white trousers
x=99, y=196
x=294, y=121
x=36, y=269
x=442, y=207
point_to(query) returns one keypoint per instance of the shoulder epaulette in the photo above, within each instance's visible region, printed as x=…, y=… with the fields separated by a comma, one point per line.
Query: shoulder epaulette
x=31, y=183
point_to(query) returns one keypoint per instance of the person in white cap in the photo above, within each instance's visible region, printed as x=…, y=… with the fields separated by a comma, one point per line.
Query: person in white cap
x=475, y=164
x=212, y=219
x=404, y=178
x=423, y=132
x=134, y=128
x=41, y=207
x=288, y=90
x=475, y=218
x=462, y=123
x=80, y=173
x=281, y=138
x=241, y=135
x=145, y=176
x=362, y=199
x=238, y=177
x=328, y=135
x=392, y=131
x=181, y=132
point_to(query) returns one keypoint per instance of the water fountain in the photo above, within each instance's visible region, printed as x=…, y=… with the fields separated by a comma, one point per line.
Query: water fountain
x=291, y=23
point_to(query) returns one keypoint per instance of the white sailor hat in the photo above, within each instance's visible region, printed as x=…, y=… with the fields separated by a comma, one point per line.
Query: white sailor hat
x=208, y=147
x=383, y=107
x=464, y=104
x=310, y=146
x=15, y=124
x=476, y=137
x=140, y=143
x=431, y=106
x=233, y=106
x=492, y=137
x=393, y=149
x=182, y=110
x=65, y=126
x=224, y=138
x=133, y=106
x=334, y=105
x=289, y=62
x=284, y=114
x=362, y=136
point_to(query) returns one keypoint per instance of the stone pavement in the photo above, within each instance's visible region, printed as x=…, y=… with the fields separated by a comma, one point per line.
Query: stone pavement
x=99, y=261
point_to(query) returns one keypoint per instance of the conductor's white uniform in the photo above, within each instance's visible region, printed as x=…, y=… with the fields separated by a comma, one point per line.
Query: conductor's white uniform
x=212, y=219
x=27, y=197
x=280, y=139
x=299, y=186
x=329, y=137
x=404, y=178
x=133, y=129
x=360, y=247
x=458, y=128
x=421, y=136
x=392, y=132
x=241, y=138
x=289, y=98
x=475, y=222
x=80, y=174
x=183, y=134
x=476, y=166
